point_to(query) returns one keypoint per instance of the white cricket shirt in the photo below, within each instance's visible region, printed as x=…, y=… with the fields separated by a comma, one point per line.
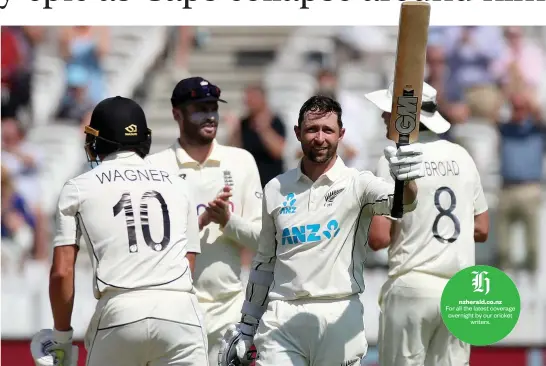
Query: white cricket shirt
x=438, y=236
x=316, y=231
x=137, y=220
x=218, y=267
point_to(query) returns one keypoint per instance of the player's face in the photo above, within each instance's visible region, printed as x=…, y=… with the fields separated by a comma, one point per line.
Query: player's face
x=200, y=122
x=386, y=119
x=319, y=136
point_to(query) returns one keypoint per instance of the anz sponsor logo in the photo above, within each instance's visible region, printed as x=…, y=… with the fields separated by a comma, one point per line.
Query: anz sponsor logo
x=201, y=208
x=309, y=233
x=289, y=205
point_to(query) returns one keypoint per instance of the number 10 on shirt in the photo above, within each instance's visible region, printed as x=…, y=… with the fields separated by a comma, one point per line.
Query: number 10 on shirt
x=125, y=204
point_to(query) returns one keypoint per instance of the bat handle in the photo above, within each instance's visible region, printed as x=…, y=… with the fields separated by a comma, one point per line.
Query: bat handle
x=398, y=200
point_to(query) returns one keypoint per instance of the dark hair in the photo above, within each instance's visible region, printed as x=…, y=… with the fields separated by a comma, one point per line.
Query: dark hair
x=320, y=105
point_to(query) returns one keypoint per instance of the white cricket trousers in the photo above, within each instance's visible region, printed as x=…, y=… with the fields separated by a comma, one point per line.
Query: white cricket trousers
x=411, y=329
x=147, y=328
x=312, y=332
x=218, y=317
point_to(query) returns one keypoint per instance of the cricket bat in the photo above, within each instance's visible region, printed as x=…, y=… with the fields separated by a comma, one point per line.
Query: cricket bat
x=408, y=83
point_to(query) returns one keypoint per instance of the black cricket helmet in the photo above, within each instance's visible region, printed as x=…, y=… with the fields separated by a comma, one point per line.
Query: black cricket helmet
x=117, y=124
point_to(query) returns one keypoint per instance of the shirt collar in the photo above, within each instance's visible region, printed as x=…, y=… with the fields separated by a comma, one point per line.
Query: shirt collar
x=183, y=157
x=333, y=174
x=123, y=157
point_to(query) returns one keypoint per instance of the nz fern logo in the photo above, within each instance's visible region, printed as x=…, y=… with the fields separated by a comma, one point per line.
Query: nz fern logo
x=331, y=196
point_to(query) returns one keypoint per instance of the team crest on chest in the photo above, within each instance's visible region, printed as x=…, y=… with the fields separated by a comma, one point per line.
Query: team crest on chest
x=331, y=196
x=228, y=179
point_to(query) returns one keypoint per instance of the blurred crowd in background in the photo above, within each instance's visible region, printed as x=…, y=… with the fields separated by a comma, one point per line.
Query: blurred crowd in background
x=488, y=79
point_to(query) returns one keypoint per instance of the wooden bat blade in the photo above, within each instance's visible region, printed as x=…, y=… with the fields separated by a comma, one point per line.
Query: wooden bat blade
x=409, y=71
x=409, y=74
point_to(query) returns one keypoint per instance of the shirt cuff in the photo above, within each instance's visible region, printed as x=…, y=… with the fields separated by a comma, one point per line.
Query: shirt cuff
x=410, y=207
x=231, y=226
x=63, y=336
x=193, y=250
x=406, y=209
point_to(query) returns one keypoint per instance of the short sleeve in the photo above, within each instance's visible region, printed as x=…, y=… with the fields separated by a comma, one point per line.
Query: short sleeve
x=374, y=192
x=192, y=225
x=194, y=241
x=68, y=230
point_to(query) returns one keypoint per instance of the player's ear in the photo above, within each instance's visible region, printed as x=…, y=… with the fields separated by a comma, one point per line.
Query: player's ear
x=297, y=132
x=341, y=133
x=177, y=114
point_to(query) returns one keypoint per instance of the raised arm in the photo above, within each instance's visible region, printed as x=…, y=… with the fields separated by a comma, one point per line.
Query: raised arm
x=376, y=194
x=379, y=233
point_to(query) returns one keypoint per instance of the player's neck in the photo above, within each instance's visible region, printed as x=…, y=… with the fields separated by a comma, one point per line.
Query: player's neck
x=314, y=170
x=199, y=153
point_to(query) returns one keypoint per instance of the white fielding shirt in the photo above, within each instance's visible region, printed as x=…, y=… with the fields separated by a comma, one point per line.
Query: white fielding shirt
x=218, y=267
x=316, y=232
x=437, y=238
x=137, y=220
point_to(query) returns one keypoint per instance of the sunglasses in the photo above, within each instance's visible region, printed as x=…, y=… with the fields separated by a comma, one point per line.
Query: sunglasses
x=203, y=92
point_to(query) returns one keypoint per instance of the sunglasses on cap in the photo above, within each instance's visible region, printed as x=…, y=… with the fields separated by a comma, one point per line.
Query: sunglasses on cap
x=202, y=93
x=205, y=91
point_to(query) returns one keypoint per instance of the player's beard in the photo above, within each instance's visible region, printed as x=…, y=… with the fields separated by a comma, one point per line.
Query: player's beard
x=200, y=133
x=320, y=157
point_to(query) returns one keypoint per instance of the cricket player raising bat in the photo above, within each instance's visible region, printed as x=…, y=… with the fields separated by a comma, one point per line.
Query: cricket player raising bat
x=142, y=233
x=427, y=246
x=302, y=302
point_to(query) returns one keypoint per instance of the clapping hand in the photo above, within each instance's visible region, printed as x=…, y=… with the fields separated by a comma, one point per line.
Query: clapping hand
x=217, y=210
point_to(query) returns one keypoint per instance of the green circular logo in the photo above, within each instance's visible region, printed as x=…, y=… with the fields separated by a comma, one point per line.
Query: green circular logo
x=480, y=305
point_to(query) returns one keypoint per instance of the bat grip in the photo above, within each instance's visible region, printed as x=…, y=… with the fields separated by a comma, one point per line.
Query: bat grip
x=398, y=200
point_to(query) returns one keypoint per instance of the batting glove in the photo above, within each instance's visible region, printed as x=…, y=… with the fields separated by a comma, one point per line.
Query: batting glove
x=406, y=162
x=235, y=349
x=54, y=348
